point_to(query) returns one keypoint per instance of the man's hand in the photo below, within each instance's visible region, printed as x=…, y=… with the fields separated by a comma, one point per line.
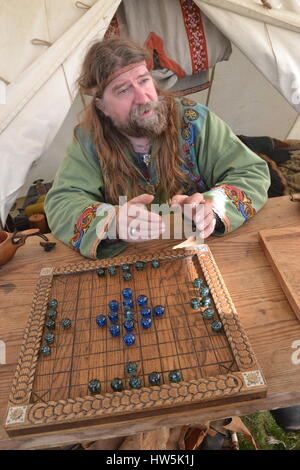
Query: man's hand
x=199, y=210
x=136, y=224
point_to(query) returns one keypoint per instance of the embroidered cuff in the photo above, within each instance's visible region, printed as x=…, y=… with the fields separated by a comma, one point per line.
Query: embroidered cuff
x=91, y=228
x=231, y=205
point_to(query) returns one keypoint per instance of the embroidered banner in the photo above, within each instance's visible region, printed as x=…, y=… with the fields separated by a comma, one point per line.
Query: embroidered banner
x=195, y=33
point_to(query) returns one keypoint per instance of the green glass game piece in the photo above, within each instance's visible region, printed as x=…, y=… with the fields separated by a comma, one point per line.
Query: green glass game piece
x=117, y=385
x=175, y=376
x=135, y=382
x=50, y=324
x=94, y=386
x=49, y=338
x=216, y=326
x=131, y=367
x=154, y=378
x=66, y=323
x=45, y=350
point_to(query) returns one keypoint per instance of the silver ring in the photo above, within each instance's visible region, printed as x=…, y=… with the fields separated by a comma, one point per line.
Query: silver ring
x=132, y=232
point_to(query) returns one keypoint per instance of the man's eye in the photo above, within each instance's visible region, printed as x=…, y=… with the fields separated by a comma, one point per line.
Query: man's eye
x=123, y=91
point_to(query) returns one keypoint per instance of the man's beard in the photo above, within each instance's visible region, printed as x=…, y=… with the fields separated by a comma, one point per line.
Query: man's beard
x=151, y=126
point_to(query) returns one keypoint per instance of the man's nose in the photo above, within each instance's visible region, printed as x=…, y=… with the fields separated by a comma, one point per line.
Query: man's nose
x=140, y=96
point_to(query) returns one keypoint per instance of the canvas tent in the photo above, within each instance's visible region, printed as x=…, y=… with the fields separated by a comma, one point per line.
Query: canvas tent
x=42, y=43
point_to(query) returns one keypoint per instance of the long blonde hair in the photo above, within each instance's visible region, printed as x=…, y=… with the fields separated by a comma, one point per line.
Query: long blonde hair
x=104, y=58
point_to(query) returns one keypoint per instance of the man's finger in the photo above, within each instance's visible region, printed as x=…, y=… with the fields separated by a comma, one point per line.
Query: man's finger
x=209, y=228
x=195, y=199
x=203, y=211
x=178, y=200
x=142, y=199
x=202, y=224
x=139, y=212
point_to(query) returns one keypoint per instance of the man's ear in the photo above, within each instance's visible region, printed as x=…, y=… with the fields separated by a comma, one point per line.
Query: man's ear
x=100, y=105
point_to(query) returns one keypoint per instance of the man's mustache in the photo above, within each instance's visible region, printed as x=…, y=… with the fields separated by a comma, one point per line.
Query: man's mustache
x=140, y=109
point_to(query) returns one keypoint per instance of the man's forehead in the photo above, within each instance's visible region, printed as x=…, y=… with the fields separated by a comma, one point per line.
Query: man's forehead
x=128, y=75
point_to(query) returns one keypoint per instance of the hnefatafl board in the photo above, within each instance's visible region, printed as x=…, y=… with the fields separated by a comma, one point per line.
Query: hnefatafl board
x=196, y=348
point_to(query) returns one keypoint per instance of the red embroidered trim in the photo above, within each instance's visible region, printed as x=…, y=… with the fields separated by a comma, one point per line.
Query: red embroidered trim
x=100, y=236
x=82, y=225
x=241, y=201
x=196, y=36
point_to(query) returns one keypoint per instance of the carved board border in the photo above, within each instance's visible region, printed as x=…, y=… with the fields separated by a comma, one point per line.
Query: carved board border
x=23, y=416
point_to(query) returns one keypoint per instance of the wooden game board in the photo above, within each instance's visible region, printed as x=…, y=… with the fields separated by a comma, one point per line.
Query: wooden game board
x=50, y=393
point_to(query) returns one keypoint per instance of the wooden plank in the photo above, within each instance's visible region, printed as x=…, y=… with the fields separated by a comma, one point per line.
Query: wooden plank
x=282, y=247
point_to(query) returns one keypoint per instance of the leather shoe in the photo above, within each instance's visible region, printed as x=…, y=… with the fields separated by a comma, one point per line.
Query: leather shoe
x=287, y=418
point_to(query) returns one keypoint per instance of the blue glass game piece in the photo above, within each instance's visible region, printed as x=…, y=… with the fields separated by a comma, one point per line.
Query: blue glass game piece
x=139, y=265
x=129, y=339
x=113, y=316
x=154, y=378
x=159, y=310
x=115, y=330
x=45, y=350
x=146, y=323
x=175, y=376
x=52, y=313
x=113, y=305
x=130, y=367
x=53, y=303
x=155, y=263
x=195, y=303
x=125, y=268
x=112, y=270
x=117, y=385
x=208, y=314
x=128, y=303
x=198, y=282
x=127, y=293
x=216, y=326
x=100, y=272
x=101, y=320
x=146, y=312
x=135, y=382
x=204, y=291
x=49, y=338
x=50, y=324
x=127, y=276
x=94, y=386
x=66, y=323
x=128, y=325
x=206, y=301
x=142, y=300
x=128, y=314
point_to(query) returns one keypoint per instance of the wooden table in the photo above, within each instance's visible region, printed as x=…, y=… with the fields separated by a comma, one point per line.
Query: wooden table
x=271, y=325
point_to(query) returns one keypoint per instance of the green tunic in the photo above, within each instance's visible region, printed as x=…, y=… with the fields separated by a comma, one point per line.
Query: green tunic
x=217, y=164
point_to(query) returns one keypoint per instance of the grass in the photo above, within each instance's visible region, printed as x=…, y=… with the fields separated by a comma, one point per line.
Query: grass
x=267, y=434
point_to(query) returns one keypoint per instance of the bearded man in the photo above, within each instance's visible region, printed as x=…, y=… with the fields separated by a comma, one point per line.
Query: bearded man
x=138, y=141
